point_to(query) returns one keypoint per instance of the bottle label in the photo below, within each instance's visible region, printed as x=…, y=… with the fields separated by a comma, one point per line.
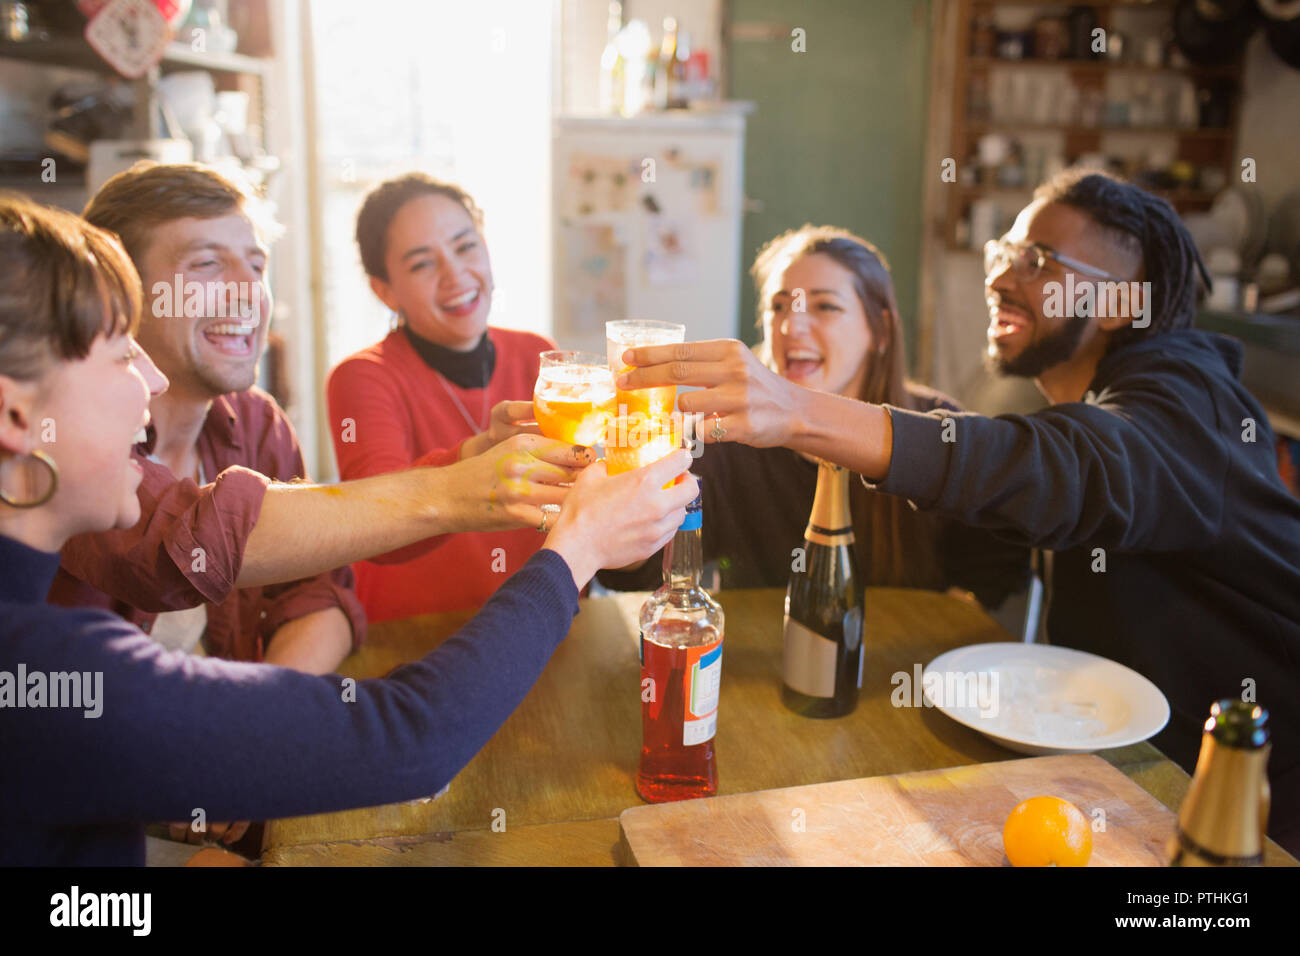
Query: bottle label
x=808, y=660
x=703, y=680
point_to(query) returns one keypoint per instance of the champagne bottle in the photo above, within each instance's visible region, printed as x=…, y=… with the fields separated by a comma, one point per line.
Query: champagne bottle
x=821, y=665
x=1223, y=819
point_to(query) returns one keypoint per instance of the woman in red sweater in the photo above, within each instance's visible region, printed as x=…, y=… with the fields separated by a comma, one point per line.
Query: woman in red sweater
x=440, y=387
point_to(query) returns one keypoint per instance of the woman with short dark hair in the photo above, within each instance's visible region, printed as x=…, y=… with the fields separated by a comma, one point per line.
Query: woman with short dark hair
x=91, y=708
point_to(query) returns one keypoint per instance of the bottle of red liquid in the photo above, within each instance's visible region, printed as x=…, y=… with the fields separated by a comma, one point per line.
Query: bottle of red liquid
x=681, y=671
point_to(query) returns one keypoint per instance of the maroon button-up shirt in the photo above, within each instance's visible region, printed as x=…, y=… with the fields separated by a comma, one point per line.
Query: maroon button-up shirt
x=188, y=546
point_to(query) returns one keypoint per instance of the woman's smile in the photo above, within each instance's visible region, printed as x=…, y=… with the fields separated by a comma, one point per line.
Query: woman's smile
x=460, y=305
x=802, y=363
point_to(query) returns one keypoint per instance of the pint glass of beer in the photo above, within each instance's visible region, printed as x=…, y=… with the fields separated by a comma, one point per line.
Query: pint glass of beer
x=634, y=333
x=639, y=439
x=574, y=396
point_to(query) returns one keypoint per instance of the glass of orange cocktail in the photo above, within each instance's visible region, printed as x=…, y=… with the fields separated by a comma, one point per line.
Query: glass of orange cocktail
x=574, y=396
x=660, y=401
x=639, y=439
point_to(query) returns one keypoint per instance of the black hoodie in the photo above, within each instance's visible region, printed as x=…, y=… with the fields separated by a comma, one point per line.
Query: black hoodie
x=1167, y=473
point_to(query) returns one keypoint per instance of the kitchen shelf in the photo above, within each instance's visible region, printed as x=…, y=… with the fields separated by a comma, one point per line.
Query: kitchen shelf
x=17, y=182
x=1143, y=4
x=229, y=71
x=181, y=56
x=1213, y=148
x=1103, y=66
x=1076, y=129
x=76, y=53
x=1173, y=195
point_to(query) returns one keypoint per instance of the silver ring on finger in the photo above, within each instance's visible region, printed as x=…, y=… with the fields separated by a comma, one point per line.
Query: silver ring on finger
x=719, y=431
x=547, y=511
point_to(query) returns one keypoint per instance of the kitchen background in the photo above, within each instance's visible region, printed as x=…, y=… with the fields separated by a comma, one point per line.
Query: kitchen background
x=921, y=125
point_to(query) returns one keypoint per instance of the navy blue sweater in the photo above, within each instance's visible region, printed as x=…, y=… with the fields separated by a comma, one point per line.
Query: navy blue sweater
x=240, y=741
x=1166, y=471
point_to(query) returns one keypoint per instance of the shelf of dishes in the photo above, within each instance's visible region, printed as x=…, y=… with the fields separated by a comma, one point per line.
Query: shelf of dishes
x=1075, y=129
x=90, y=130
x=1000, y=170
x=1205, y=36
x=1105, y=66
x=1155, y=103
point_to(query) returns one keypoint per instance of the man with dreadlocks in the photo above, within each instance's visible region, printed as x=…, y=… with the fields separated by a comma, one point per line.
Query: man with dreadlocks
x=1151, y=476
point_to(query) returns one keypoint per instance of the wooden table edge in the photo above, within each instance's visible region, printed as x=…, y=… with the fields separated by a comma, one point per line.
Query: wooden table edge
x=620, y=852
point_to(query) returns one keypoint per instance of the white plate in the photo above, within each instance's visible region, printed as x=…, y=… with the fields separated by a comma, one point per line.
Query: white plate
x=1038, y=699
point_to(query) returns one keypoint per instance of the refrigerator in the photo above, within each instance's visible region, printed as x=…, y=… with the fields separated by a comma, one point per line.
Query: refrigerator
x=647, y=222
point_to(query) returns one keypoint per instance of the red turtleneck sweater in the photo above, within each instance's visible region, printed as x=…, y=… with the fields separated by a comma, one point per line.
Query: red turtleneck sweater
x=389, y=410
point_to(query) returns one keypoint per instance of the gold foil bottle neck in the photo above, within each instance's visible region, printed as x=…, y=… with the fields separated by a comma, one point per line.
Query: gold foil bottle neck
x=831, y=520
x=1223, y=820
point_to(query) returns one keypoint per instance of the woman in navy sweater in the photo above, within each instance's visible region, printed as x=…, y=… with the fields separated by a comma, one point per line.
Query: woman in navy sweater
x=101, y=729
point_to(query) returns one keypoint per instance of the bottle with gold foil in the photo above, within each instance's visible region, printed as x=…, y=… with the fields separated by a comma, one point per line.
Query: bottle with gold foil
x=1223, y=819
x=821, y=664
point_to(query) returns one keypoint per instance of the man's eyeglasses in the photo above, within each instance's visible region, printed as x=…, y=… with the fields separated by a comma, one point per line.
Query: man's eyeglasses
x=1028, y=258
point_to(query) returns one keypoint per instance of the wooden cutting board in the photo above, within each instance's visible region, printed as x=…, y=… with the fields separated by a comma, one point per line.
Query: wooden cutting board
x=948, y=817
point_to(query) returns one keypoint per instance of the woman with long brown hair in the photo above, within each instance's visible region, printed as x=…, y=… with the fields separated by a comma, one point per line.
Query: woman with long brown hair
x=830, y=322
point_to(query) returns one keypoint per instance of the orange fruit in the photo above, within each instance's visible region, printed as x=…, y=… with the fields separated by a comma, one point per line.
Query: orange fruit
x=1047, y=831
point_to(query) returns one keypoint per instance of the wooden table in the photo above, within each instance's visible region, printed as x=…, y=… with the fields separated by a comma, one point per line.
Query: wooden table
x=548, y=788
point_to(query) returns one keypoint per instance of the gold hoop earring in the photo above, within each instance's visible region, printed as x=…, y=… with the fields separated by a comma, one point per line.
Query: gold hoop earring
x=48, y=462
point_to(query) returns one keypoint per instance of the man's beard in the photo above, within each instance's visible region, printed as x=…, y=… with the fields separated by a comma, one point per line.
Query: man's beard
x=1039, y=356
x=217, y=382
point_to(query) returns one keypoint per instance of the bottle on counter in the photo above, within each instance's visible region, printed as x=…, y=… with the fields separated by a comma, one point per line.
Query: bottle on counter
x=639, y=57
x=821, y=664
x=1223, y=820
x=667, y=76
x=681, y=672
x=611, y=63
x=681, y=93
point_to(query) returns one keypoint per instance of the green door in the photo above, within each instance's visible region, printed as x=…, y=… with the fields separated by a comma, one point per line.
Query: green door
x=839, y=132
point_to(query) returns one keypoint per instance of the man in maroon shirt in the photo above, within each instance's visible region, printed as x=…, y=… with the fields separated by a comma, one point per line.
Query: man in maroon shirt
x=200, y=244
x=268, y=559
